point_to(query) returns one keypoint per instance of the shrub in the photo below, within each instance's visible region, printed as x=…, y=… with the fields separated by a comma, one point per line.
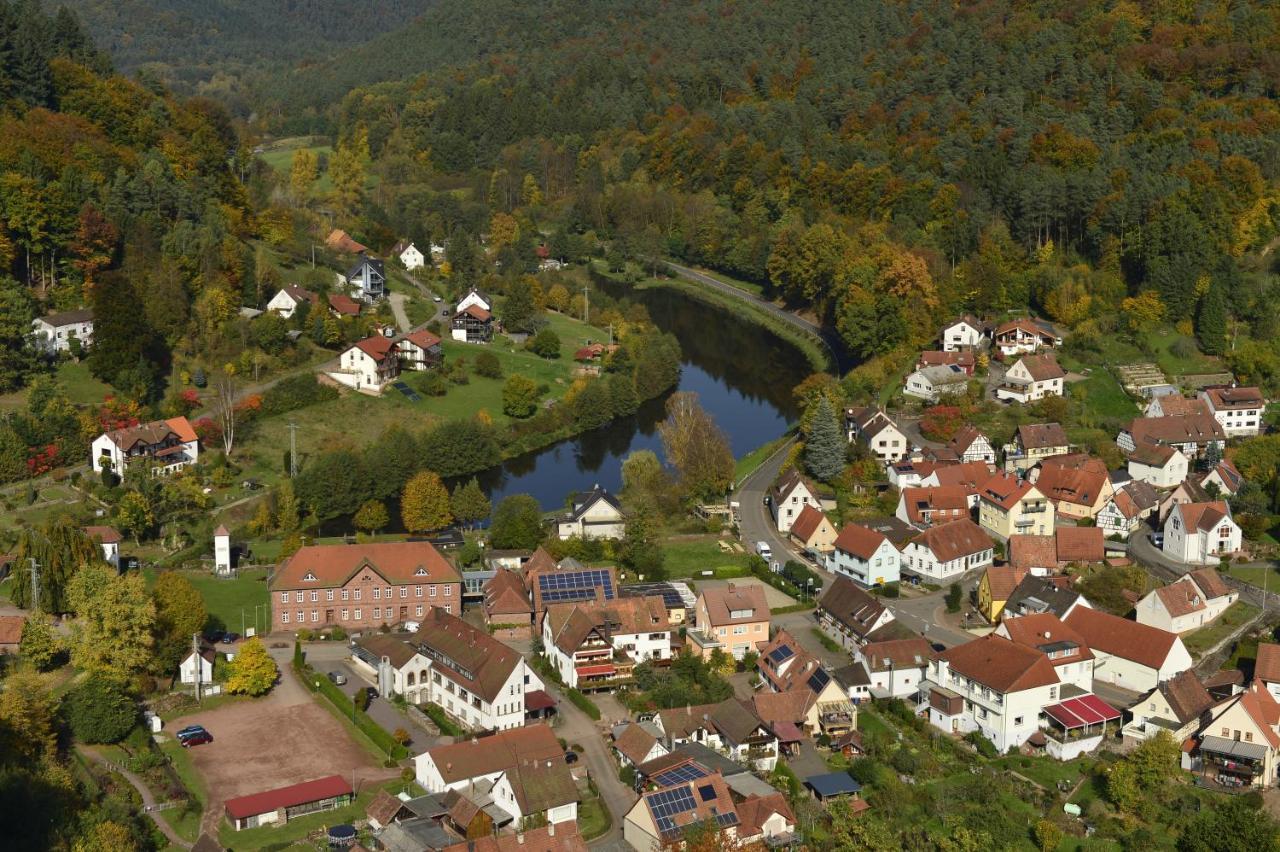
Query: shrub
x=545, y=343
x=583, y=703
x=985, y=747
x=99, y=711
x=294, y=392
x=488, y=365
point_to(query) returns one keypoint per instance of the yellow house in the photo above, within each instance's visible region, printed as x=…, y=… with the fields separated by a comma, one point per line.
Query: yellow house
x=1238, y=746
x=996, y=587
x=812, y=531
x=1010, y=506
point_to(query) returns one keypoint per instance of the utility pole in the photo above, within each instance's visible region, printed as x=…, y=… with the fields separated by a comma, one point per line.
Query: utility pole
x=35, y=584
x=611, y=335
x=293, y=450
x=313, y=255
x=586, y=302
x=195, y=649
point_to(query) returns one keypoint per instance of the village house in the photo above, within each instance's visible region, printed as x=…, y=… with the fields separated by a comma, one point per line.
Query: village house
x=968, y=332
x=165, y=446
x=1065, y=649
x=362, y=586
x=991, y=685
x=933, y=383
x=1175, y=405
x=1025, y=336
x=785, y=668
x=813, y=532
x=342, y=305
x=923, y=507
x=1266, y=669
x=789, y=495
x=548, y=838
x=944, y=553
x=1191, y=602
x=1126, y=653
x=475, y=297
x=1042, y=594
x=419, y=350
x=733, y=618
x=1193, y=434
x=854, y=617
x=1077, y=484
x=1239, y=742
x=1224, y=477
x=1187, y=491
x=368, y=365
x=368, y=279
x=482, y=684
x=1042, y=554
x=1201, y=533
x=340, y=241
x=995, y=587
x=1158, y=465
x=730, y=727
x=472, y=324
x=636, y=743
x=513, y=775
x=593, y=514
x=108, y=538
x=873, y=427
x=596, y=644
x=1009, y=506
x=197, y=665
x=551, y=582
x=1127, y=508
x=967, y=475
x=970, y=445
x=507, y=608
x=11, y=633
x=1177, y=705
x=864, y=556
x=1239, y=410
x=409, y=255
x=895, y=668
x=1033, y=444
x=289, y=298
x=661, y=818
x=965, y=360
x=53, y=333
x=1032, y=377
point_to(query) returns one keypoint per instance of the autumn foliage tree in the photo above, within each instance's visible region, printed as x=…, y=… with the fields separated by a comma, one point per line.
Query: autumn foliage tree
x=251, y=671
x=696, y=447
x=424, y=503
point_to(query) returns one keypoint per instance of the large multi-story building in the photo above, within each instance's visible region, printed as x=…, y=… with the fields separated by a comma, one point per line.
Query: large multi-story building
x=1238, y=409
x=165, y=446
x=362, y=586
x=597, y=643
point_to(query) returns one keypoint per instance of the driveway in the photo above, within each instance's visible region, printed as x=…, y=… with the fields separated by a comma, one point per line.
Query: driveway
x=397, y=301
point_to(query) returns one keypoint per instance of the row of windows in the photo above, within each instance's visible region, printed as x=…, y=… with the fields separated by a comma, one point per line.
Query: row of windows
x=376, y=613
x=354, y=594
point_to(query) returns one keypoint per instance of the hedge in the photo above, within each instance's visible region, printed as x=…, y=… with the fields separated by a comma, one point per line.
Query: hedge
x=583, y=703
x=343, y=702
x=436, y=713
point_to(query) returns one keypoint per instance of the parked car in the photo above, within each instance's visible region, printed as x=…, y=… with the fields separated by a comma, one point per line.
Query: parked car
x=198, y=738
x=764, y=550
x=436, y=298
x=570, y=757
x=338, y=677
x=1157, y=538
x=230, y=637
x=190, y=731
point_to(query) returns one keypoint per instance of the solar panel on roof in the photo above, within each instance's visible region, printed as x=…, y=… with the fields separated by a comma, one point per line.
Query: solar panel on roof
x=671, y=597
x=777, y=655
x=707, y=792
x=819, y=679
x=680, y=775
x=726, y=819
x=575, y=585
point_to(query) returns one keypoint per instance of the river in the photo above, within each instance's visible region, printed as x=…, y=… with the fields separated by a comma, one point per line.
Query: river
x=743, y=375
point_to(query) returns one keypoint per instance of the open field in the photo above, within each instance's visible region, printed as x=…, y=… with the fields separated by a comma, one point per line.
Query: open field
x=1206, y=637
x=689, y=557
x=227, y=600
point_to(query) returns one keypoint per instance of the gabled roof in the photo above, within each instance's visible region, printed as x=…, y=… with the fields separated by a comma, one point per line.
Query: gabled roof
x=677, y=808
x=1080, y=544
x=1152, y=454
x=943, y=498
x=732, y=718
x=807, y=523
x=635, y=743
x=1033, y=551
x=571, y=623
x=970, y=320
x=422, y=338
x=1231, y=478
x=397, y=649
x=967, y=475
x=1184, y=429
x=869, y=421
x=964, y=439
x=344, y=304
x=755, y=811
x=329, y=787
x=377, y=347
x=299, y=294
x=1144, y=494
x=1006, y=490
x=560, y=837
x=1042, y=436
x=1227, y=398
x=1174, y=405
x=1210, y=582
x=504, y=593
x=1186, y=695
x=583, y=501
x=372, y=263
x=1042, y=594
x=1042, y=368
x=954, y=540
x=333, y=564
x=898, y=654
x=154, y=432
x=1075, y=478
x=857, y=610
x=931, y=358
x=1203, y=516
x=340, y=240
x=1045, y=632
x=1120, y=637
x=1180, y=599
x=63, y=318
x=1262, y=708
x=468, y=656
x=476, y=312
x=1267, y=667
x=498, y=752
x=1000, y=664
x=1028, y=325
x=11, y=629
x=541, y=785
x=721, y=603
x=789, y=706
x=105, y=535
x=859, y=541
x=1003, y=579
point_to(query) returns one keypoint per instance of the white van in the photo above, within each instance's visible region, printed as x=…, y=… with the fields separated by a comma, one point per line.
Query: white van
x=764, y=550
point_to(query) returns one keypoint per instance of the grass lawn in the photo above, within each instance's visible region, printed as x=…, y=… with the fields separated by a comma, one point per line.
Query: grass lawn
x=227, y=598
x=746, y=465
x=1227, y=623
x=1046, y=771
x=280, y=158
x=870, y=723
x=1103, y=396
x=593, y=818
x=1256, y=575
x=688, y=558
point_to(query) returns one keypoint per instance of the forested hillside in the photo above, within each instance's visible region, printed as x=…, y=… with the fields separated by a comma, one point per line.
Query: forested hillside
x=858, y=154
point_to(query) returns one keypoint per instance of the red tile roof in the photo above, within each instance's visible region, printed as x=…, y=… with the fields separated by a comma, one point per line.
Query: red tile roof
x=1075, y=478
x=1233, y=398
x=557, y=837
x=1267, y=667
x=422, y=338
x=1039, y=630
x=1080, y=544
x=498, y=752
x=477, y=312
x=860, y=541
x=334, y=564
x=943, y=498
x=1120, y=637
x=807, y=523
x=1005, y=490
x=1001, y=664
x=344, y=304
x=11, y=629
x=967, y=475
x=106, y=535
x=1003, y=579
x=1041, y=436
x=954, y=540
x=963, y=439
x=898, y=654
x=721, y=603
x=288, y=797
x=1033, y=551
x=1204, y=516
x=377, y=347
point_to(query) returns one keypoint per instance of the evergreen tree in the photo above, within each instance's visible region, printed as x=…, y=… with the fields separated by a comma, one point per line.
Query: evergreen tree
x=469, y=503
x=1211, y=321
x=824, y=446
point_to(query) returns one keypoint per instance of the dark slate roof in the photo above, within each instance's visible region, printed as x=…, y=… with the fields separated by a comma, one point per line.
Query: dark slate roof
x=1057, y=600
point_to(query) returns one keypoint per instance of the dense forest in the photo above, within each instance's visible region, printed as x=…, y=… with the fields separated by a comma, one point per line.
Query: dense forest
x=856, y=155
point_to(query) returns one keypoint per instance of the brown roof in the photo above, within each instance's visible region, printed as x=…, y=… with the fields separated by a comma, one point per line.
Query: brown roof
x=1184, y=429
x=898, y=654
x=1120, y=637
x=1080, y=544
x=1042, y=367
x=106, y=535
x=790, y=706
x=943, y=498
x=720, y=602
x=340, y=240
x=396, y=648
x=859, y=541
x=789, y=481
x=1003, y=579
x=755, y=811
x=1144, y=494
x=80, y=315
x=1032, y=551
x=1186, y=695
x=711, y=798
x=807, y=523
x=300, y=294
x=505, y=594
x=572, y=622
x=1180, y=599
x=422, y=338
x=477, y=312
x=934, y=358
x=1239, y=397
x=541, y=560
x=1043, y=631
x=954, y=539
x=383, y=808
x=1075, y=478
x=1042, y=436
x=732, y=718
x=498, y=752
x=963, y=439
x=851, y=606
x=1211, y=582
x=1267, y=666
x=558, y=837
x=1126, y=504
x=468, y=656
x=1026, y=324
x=153, y=433
x=11, y=629
x=1005, y=490
x=377, y=347
x=966, y=475
x=635, y=743
x=1204, y=516
x=1151, y=454
x=1263, y=709
x=334, y=564
x=1001, y=664
x=344, y=304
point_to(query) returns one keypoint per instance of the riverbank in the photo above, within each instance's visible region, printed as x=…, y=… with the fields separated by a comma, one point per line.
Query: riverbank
x=745, y=307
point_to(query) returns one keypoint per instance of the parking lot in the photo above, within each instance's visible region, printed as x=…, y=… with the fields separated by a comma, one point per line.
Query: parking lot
x=283, y=738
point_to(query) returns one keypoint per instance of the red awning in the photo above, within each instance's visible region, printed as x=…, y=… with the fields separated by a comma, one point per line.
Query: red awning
x=1082, y=711
x=593, y=671
x=538, y=700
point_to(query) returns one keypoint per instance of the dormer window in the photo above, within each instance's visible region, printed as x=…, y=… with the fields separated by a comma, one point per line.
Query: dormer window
x=309, y=577
x=421, y=572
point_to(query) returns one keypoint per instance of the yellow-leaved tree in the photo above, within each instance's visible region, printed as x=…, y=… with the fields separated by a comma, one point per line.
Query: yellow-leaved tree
x=251, y=671
x=424, y=503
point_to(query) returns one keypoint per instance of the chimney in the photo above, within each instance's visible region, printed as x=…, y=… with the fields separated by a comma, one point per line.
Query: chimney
x=520, y=838
x=551, y=829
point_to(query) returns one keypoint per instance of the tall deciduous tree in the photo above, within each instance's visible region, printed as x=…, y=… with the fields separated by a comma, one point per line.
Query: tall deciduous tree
x=371, y=517
x=180, y=613
x=40, y=644
x=824, y=446
x=27, y=719
x=469, y=503
x=100, y=711
x=517, y=523
x=252, y=671
x=224, y=409
x=519, y=396
x=112, y=634
x=303, y=172
x=424, y=505
x=59, y=548
x=17, y=358
x=696, y=447
x=134, y=514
